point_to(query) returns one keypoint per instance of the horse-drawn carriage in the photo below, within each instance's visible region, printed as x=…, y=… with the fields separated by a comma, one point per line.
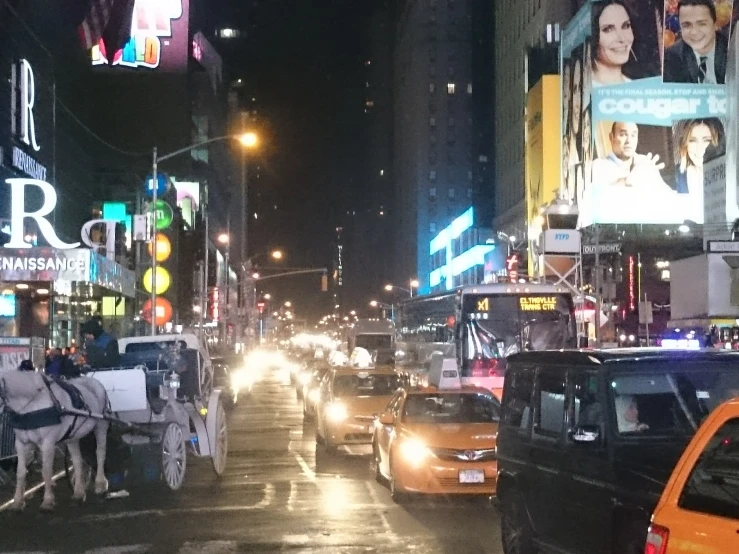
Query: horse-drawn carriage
x=163, y=406
x=139, y=419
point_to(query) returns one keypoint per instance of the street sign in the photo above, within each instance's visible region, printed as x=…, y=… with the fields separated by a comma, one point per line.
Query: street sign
x=604, y=248
x=645, y=313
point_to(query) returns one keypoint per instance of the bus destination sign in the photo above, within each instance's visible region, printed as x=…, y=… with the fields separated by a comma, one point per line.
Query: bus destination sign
x=537, y=303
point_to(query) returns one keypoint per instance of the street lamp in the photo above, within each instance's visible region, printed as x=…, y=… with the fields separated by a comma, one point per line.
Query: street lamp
x=223, y=238
x=288, y=304
x=277, y=254
x=248, y=140
x=267, y=296
x=413, y=284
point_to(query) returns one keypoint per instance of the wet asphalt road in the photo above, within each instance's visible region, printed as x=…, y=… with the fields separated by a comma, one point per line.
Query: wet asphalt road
x=273, y=498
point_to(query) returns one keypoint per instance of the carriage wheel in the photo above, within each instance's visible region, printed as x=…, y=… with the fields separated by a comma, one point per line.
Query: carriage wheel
x=174, y=456
x=220, y=452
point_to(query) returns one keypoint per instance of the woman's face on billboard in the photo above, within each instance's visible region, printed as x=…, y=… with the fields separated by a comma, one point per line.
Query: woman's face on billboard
x=698, y=141
x=615, y=36
x=576, y=96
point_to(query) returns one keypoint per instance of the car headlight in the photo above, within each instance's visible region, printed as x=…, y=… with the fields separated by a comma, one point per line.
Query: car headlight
x=241, y=379
x=336, y=412
x=414, y=451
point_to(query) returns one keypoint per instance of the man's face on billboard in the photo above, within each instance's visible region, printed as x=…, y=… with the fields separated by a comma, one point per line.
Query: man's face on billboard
x=698, y=29
x=624, y=139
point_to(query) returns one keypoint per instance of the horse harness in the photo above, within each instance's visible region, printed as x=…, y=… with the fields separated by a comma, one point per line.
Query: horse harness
x=48, y=417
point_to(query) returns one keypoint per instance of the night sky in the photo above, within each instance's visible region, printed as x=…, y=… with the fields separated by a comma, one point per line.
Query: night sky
x=303, y=61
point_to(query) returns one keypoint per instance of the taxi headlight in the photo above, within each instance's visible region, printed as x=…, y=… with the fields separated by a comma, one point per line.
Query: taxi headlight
x=336, y=412
x=314, y=395
x=414, y=451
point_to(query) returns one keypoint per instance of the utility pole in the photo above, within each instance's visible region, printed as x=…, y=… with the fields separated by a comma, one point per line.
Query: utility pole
x=597, y=286
x=154, y=187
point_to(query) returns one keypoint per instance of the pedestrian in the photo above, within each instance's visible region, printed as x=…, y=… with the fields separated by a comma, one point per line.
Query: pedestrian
x=55, y=363
x=26, y=365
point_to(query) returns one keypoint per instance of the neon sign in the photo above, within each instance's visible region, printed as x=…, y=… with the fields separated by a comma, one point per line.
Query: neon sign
x=24, y=85
x=151, y=25
x=632, y=285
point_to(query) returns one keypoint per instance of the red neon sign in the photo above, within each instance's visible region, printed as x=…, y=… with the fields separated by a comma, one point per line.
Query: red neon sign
x=632, y=284
x=512, y=266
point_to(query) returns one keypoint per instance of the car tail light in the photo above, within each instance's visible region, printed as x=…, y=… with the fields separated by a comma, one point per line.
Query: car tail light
x=657, y=540
x=487, y=367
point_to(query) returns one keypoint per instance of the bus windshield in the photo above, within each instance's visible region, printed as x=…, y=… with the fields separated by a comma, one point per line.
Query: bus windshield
x=374, y=342
x=497, y=325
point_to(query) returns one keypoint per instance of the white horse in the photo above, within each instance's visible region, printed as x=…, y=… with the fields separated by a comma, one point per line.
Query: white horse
x=24, y=392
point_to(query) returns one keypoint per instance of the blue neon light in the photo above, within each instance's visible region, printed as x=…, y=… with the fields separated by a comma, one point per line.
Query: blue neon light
x=452, y=267
x=456, y=228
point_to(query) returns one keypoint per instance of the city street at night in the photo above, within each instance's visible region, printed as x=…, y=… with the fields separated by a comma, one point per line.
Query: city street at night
x=271, y=499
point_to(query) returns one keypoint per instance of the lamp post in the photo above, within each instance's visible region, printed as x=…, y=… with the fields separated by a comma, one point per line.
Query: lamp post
x=247, y=140
x=412, y=284
x=383, y=306
x=225, y=239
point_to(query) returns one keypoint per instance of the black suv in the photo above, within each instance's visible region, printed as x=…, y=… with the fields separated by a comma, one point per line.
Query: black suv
x=588, y=439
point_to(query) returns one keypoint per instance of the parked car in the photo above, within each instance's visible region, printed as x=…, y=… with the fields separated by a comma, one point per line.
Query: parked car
x=699, y=509
x=588, y=440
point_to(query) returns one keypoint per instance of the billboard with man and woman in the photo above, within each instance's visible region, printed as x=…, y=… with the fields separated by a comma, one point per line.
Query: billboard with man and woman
x=644, y=107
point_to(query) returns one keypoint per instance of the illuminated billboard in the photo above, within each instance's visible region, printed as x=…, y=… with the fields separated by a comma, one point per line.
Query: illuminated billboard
x=543, y=151
x=644, y=106
x=159, y=38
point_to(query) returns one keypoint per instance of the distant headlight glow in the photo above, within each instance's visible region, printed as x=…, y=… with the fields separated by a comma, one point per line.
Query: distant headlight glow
x=304, y=377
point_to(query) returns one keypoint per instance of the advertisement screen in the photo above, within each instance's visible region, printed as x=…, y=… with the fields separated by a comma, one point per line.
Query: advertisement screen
x=159, y=38
x=645, y=107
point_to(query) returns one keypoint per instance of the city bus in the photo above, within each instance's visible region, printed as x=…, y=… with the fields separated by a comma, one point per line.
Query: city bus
x=480, y=325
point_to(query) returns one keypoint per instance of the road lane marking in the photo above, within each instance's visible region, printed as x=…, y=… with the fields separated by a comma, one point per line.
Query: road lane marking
x=307, y=471
x=210, y=547
x=383, y=518
x=32, y=490
x=293, y=497
x=267, y=499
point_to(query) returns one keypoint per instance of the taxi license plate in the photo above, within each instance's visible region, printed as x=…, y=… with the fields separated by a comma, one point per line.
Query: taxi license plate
x=472, y=476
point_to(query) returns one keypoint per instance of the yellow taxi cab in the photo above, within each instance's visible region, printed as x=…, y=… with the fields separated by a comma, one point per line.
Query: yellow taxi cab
x=699, y=508
x=350, y=397
x=438, y=439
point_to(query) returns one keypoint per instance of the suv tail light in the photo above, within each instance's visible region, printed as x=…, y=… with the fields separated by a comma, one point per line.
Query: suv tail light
x=487, y=367
x=657, y=540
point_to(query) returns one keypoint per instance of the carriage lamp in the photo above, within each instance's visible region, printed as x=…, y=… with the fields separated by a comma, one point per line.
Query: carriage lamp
x=174, y=381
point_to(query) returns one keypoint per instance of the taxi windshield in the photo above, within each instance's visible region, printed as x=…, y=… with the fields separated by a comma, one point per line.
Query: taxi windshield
x=470, y=407
x=366, y=385
x=670, y=401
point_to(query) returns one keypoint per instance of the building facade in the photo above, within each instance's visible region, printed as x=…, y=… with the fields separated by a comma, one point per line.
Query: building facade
x=521, y=27
x=436, y=142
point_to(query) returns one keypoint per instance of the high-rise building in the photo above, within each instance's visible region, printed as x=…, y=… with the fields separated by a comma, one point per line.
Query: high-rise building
x=521, y=28
x=438, y=48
